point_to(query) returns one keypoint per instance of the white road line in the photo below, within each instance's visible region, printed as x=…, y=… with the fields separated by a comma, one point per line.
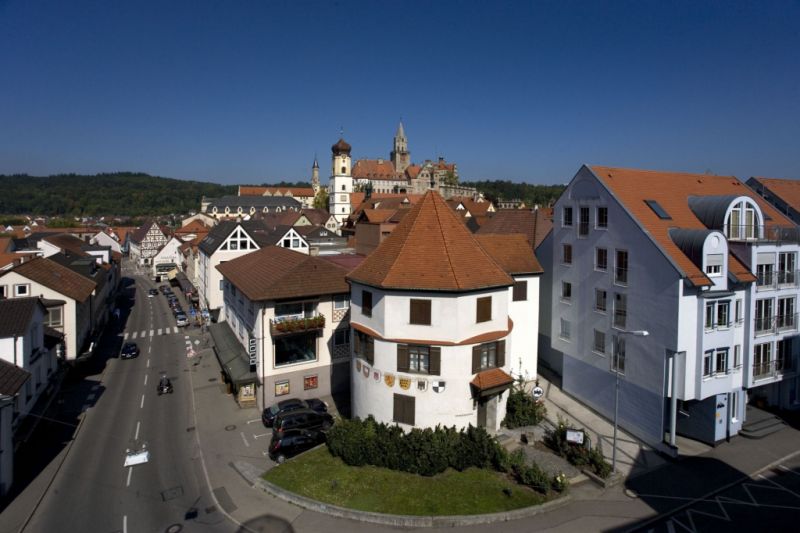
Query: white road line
x=262, y=435
x=125, y=337
x=254, y=420
x=148, y=363
x=151, y=331
x=176, y=329
x=145, y=380
x=135, y=333
x=124, y=523
x=141, y=404
x=185, y=336
x=136, y=435
x=159, y=331
x=130, y=471
x=150, y=349
x=143, y=334
x=244, y=439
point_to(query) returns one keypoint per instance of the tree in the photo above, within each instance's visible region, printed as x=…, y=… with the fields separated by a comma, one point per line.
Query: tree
x=321, y=199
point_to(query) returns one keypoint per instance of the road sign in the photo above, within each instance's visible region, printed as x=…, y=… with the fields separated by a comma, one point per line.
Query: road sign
x=538, y=392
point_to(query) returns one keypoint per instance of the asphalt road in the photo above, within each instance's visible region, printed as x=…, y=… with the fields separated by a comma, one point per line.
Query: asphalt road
x=93, y=491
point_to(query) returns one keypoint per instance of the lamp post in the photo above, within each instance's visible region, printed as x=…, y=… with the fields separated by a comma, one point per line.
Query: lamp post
x=615, y=362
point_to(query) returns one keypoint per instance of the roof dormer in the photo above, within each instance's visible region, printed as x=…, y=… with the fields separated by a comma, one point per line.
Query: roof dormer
x=738, y=217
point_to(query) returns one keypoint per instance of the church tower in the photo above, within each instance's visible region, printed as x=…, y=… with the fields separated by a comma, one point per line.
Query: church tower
x=401, y=157
x=315, y=176
x=341, y=183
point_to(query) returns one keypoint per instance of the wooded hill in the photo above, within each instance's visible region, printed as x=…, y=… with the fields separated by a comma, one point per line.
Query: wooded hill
x=532, y=195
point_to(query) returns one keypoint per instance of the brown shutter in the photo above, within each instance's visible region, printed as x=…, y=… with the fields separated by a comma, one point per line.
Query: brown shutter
x=420, y=312
x=402, y=358
x=520, y=291
x=501, y=353
x=476, y=359
x=397, y=414
x=370, y=351
x=410, y=410
x=484, y=309
x=435, y=361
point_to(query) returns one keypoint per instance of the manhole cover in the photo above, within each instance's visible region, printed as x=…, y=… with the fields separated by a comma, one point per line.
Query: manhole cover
x=230, y=427
x=174, y=528
x=212, y=379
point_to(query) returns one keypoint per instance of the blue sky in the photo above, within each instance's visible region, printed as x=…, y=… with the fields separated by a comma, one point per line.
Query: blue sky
x=249, y=91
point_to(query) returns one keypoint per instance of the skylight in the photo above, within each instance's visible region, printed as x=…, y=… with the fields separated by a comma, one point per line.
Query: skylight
x=658, y=210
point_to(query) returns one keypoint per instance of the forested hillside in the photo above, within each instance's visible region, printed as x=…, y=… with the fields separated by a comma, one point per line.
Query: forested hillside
x=120, y=193
x=542, y=195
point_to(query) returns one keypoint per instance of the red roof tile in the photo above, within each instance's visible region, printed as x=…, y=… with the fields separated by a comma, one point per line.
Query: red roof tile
x=430, y=249
x=376, y=169
x=490, y=379
x=512, y=252
x=57, y=277
x=786, y=190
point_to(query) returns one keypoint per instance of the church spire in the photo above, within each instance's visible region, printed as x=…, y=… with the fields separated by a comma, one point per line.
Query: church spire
x=401, y=157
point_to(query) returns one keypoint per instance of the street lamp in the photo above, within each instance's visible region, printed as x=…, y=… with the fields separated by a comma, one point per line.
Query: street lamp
x=615, y=362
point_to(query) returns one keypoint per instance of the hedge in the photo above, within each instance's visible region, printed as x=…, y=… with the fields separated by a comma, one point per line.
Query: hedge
x=522, y=409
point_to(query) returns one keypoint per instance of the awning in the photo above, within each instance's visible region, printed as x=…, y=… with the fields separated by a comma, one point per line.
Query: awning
x=490, y=382
x=231, y=355
x=184, y=283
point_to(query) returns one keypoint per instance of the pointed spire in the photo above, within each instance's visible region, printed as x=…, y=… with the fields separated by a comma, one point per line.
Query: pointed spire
x=400, y=131
x=315, y=165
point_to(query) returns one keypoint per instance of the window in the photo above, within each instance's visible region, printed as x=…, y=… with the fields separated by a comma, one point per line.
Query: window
x=620, y=310
x=520, y=292
x=295, y=310
x=566, y=254
x=341, y=301
x=601, y=259
x=734, y=407
x=488, y=355
x=22, y=290
x=721, y=364
x=762, y=360
x=293, y=349
x=618, y=360
x=419, y=359
x=566, y=291
x=420, y=312
x=783, y=352
x=583, y=226
x=366, y=303
x=765, y=275
x=600, y=297
x=403, y=412
x=658, y=210
x=708, y=362
x=484, y=309
x=709, y=322
x=787, y=268
x=287, y=243
x=566, y=329
x=364, y=346
x=566, y=217
x=786, y=315
x=739, y=311
x=621, y=268
x=764, y=319
x=723, y=314
x=3, y=293
x=55, y=317
x=714, y=265
x=233, y=245
x=602, y=217
x=599, y=342
x=737, y=357
x=341, y=336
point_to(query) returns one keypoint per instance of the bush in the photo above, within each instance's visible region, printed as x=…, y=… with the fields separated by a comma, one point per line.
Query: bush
x=580, y=456
x=522, y=409
x=420, y=451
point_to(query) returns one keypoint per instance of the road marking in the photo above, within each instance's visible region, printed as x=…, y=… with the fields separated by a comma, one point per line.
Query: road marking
x=176, y=329
x=150, y=349
x=143, y=334
x=145, y=380
x=151, y=331
x=141, y=404
x=186, y=337
x=130, y=471
x=262, y=435
x=148, y=363
x=159, y=331
x=135, y=334
x=136, y=435
x=254, y=420
x=125, y=524
x=244, y=439
x=125, y=337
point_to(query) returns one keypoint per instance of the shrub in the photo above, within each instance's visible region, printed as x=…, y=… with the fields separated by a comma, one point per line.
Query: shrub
x=580, y=456
x=522, y=409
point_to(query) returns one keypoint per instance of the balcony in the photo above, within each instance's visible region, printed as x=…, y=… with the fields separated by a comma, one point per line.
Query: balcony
x=771, y=369
x=774, y=324
x=761, y=233
x=292, y=324
x=782, y=279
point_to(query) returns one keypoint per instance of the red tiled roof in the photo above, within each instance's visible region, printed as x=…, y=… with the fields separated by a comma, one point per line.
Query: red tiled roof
x=786, y=190
x=67, y=243
x=430, y=249
x=376, y=169
x=412, y=171
x=5, y=244
x=376, y=216
x=512, y=252
x=672, y=190
x=57, y=277
x=274, y=273
x=490, y=379
x=195, y=226
x=534, y=224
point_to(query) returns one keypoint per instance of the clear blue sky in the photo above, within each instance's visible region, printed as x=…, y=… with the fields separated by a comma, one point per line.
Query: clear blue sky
x=249, y=91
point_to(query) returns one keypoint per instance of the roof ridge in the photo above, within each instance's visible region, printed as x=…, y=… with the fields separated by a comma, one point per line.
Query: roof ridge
x=405, y=239
x=446, y=246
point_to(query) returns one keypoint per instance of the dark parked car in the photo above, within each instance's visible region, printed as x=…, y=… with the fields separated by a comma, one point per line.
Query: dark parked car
x=269, y=414
x=164, y=386
x=164, y=289
x=129, y=351
x=292, y=442
x=302, y=419
x=152, y=292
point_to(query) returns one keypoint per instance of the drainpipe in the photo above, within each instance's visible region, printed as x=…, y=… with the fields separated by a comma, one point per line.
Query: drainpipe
x=673, y=401
x=15, y=350
x=263, y=385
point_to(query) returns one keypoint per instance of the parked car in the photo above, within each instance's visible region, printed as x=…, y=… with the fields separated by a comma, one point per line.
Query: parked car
x=181, y=320
x=164, y=386
x=129, y=351
x=152, y=292
x=302, y=419
x=292, y=442
x=177, y=311
x=269, y=414
x=163, y=289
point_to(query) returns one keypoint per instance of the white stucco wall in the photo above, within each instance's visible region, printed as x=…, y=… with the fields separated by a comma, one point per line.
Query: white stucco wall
x=524, y=357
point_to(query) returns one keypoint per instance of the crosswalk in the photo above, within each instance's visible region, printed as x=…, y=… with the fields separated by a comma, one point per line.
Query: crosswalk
x=150, y=333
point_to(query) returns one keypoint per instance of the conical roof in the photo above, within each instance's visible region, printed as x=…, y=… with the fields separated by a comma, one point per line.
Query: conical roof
x=400, y=132
x=430, y=249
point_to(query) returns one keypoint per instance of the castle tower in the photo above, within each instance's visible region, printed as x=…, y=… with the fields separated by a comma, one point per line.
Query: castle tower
x=341, y=182
x=401, y=157
x=315, y=176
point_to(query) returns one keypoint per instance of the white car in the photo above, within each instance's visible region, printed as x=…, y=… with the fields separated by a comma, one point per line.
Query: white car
x=181, y=320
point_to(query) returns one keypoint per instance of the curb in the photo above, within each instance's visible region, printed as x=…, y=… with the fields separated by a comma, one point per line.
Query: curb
x=253, y=476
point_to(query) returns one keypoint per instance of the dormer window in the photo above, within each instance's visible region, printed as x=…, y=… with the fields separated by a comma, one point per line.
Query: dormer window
x=714, y=265
x=742, y=222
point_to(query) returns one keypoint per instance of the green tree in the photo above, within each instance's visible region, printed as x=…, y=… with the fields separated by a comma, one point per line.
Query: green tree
x=321, y=199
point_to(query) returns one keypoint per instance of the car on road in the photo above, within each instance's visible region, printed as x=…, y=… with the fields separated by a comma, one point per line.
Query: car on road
x=163, y=288
x=269, y=414
x=129, y=351
x=292, y=442
x=302, y=419
x=164, y=386
x=181, y=320
x=152, y=292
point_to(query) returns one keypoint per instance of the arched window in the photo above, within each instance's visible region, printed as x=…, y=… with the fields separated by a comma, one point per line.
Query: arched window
x=343, y=187
x=344, y=170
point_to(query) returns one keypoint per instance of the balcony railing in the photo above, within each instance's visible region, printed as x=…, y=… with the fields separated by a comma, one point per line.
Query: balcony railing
x=771, y=369
x=287, y=325
x=620, y=275
x=772, y=280
x=773, y=324
x=620, y=318
x=759, y=232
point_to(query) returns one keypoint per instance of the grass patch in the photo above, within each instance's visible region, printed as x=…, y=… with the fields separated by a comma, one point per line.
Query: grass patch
x=325, y=478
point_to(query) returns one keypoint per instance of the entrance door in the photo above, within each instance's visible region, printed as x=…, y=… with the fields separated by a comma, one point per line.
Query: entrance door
x=482, y=413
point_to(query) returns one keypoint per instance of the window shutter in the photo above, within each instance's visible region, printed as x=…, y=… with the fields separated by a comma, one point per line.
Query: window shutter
x=520, y=291
x=476, y=359
x=484, y=309
x=410, y=410
x=426, y=312
x=370, y=355
x=397, y=415
x=435, y=362
x=402, y=358
x=501, y=353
